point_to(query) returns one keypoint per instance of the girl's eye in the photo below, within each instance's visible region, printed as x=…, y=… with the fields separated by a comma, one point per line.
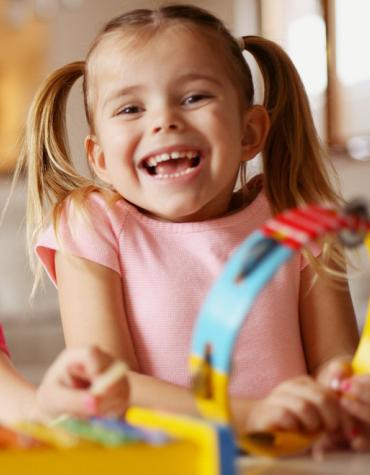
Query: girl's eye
x=129, y=110
x=195, y=98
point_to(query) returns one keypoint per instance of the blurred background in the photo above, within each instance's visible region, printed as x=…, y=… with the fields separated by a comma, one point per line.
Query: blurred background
x=328, y=41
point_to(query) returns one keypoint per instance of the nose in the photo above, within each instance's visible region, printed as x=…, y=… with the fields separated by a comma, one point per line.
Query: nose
x=166, y=120
x=163, y=127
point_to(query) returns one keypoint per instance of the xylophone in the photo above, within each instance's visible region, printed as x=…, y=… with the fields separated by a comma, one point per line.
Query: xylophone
x=162, y=443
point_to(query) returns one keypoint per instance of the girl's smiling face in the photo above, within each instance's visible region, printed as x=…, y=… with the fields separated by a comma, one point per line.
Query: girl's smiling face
x=170, y=129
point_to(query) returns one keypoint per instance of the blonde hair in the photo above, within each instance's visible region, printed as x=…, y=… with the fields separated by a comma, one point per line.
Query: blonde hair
x=294, y=163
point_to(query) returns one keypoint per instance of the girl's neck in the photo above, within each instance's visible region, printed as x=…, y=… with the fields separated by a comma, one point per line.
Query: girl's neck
x=244, y=196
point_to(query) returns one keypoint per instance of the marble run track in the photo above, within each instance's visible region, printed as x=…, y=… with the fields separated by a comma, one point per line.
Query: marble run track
x=227, y=307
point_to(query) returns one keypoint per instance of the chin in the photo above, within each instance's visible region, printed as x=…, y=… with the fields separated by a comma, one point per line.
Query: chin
x=178, y=215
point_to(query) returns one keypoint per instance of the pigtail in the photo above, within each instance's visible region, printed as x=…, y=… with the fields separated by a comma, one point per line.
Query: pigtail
x=294, y=169
x=45, y=154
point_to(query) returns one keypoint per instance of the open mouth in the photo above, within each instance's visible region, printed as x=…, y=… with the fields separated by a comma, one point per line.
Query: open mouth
x=172, y=165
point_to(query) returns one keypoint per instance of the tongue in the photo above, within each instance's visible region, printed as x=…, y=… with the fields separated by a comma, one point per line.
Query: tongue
x=172, y=166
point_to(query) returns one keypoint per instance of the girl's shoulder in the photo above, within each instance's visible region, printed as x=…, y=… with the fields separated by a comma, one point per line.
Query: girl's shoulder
x=88, y=227
x=96, y=207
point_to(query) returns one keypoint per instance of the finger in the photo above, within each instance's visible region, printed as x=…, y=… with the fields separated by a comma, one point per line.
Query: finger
x=76, y=367
x=323, y=401
x=74, y=376
x=358, y=387
x=267, y=417
x=308, y=415
x=329, y=410
x=74, y=402
x=356, y=408
x=335, y=371
x=90, y=359
x=302, y=410
x=281, y=419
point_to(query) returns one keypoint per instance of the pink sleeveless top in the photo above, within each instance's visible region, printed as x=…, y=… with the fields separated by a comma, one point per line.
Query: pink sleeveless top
x=167, y=269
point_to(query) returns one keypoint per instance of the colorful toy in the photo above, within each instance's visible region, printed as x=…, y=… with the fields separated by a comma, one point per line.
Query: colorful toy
x=159, y=443
x=253, y=264
x=182, y=445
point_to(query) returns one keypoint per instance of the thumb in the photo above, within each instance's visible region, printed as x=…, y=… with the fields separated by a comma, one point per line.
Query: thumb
x=74, y=402
x=336, y=371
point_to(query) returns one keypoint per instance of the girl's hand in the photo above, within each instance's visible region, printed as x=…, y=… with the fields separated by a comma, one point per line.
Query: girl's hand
x=354, y=392
x=355, y=398
x=70, y=386
x=355, y=401
x=300, y=404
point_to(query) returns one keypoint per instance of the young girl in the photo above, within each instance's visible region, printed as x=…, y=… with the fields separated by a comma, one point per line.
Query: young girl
x=65, y=388
x=169, y=102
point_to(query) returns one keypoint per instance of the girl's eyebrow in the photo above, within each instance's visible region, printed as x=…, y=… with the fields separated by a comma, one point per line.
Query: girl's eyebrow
x=124, y=91
x=198, y=76
x=187, y=77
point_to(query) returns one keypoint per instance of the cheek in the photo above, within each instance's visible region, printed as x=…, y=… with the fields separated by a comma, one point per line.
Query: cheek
x=117, y=143
x=225, y=121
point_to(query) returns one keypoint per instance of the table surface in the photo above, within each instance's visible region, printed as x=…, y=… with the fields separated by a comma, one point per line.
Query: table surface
x=343, y=463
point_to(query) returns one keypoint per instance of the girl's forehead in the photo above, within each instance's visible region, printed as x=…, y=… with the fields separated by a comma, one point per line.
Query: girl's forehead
x=131, y=52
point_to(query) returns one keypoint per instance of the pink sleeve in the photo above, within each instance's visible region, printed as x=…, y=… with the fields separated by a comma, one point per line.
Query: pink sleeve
x=3, y=346
x=92, y=237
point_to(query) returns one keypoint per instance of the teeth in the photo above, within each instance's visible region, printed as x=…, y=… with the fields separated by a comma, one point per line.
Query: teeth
x=162, y=158
x=173, y=175
x=153, y=161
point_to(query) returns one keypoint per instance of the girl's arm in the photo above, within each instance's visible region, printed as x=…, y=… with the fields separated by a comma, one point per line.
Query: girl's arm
x=328, y=323
x=92, y=308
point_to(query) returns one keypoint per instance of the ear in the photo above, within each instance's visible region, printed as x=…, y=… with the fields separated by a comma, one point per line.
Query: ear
x=255, y=130
x=96, y=158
